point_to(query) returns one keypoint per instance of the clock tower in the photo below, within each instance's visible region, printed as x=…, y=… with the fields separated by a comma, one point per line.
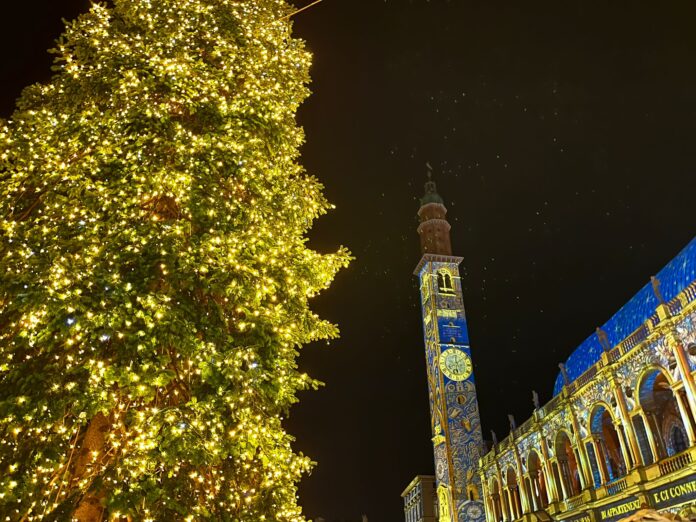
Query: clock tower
x=455, y=422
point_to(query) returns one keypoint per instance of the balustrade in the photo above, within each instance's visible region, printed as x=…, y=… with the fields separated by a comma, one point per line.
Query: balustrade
x=616, y=487
x=675, y=463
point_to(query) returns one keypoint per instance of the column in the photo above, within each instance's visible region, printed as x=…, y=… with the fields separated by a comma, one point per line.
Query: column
x=522, y=491
x=550, y=484
x=685, y=416
x=504, y=504
x=628, y=425
x=559, y=474
x=682, y=361
x=496, y=507
x=536, y=489
x=624, y=451
x=656, y=433
x=517, y=499
x=490, y=509
x=651, y=438
x=547, y=496
x=584, y=462
x=486, y=496
x=501, y=491
x=529, y=481
x=511, y=508
x=576, y=451
x=601, y=462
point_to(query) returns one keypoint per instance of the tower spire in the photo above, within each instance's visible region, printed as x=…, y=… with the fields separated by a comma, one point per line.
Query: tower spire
x=434, y=230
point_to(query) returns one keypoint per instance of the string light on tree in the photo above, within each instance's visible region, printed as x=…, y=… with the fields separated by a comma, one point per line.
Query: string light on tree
x=154, y=274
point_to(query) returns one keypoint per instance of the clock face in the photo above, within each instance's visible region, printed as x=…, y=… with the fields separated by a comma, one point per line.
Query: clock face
x=455, y=364
x=473, y=511
x=440, y=470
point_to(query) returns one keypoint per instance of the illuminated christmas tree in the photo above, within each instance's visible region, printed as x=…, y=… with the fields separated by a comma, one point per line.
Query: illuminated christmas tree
x=154, y=273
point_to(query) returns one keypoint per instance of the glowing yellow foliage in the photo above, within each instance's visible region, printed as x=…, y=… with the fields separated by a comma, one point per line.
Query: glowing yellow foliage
x=154, y=268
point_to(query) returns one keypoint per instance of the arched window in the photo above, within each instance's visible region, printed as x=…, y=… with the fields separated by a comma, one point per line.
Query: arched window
x=445, y=284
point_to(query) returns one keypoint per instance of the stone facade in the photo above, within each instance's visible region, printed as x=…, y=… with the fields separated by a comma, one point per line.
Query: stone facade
x=620, y=432
x=420, y=500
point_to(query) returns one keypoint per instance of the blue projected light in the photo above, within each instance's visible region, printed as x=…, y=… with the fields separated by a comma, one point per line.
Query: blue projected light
x=674, y=277
x=453, y=330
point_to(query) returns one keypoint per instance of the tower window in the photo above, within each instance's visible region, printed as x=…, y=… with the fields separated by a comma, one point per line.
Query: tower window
x=444, y=282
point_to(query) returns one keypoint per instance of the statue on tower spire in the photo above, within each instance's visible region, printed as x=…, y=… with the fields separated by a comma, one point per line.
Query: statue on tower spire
x=431, y=195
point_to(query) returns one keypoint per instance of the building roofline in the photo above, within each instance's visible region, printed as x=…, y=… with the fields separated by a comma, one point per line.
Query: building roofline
x=436, y=258
x=413, y=482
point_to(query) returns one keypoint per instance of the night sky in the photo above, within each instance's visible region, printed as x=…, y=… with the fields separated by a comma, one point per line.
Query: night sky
x=562, y=138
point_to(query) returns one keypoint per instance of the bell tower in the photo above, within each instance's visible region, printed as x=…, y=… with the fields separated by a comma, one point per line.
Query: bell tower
x=434, y=229
x=455, y=422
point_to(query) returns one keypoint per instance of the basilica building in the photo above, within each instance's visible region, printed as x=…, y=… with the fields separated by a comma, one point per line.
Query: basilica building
x=618, y=435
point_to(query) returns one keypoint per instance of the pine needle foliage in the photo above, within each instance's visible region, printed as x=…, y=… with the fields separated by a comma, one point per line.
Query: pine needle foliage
x=154, y=270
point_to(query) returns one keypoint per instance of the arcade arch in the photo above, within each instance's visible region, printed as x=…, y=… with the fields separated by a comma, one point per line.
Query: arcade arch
x=514, y=494
x=495, y=500
x=568, y=465
x=662, y=413
x=539, y=493
x=607, y=445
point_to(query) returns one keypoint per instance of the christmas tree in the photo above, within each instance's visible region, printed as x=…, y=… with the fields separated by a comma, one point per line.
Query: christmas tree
x=154, y=271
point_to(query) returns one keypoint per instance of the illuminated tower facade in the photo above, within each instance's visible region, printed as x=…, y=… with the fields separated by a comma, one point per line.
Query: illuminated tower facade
x=456, y=426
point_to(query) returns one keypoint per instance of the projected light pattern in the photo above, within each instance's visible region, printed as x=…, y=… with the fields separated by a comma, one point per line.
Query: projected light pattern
x=674, y=277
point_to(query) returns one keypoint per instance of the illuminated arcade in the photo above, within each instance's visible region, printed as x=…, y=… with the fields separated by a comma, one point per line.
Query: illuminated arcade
x=619, y=434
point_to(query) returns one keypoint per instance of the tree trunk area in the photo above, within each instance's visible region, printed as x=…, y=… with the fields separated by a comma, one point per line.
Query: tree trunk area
x=90, y=508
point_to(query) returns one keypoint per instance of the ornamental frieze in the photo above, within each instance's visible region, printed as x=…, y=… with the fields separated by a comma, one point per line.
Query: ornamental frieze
x=686, y=331
x=506, y=460
x=524, y=446
x=490, y=473
x=598, y=390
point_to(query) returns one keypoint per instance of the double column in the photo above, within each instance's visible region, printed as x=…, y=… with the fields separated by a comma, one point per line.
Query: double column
x=624, y=428
x=685, y=416
x=682, y=361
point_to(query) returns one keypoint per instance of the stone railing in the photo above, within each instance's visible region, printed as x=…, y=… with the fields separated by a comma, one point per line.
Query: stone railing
x=675, y=306
x=552, y=405
x=614, y=355
x=574, y=502
x=615, y=487
x=675, y=463
x=526, y=427
x=633, y=340
x=689, y=293
x=586, y=377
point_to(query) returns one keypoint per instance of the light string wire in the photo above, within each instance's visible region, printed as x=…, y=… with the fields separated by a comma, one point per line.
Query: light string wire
x=286, y=17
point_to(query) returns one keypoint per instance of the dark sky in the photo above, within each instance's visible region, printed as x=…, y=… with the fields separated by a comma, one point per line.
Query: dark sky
x=563, y=139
